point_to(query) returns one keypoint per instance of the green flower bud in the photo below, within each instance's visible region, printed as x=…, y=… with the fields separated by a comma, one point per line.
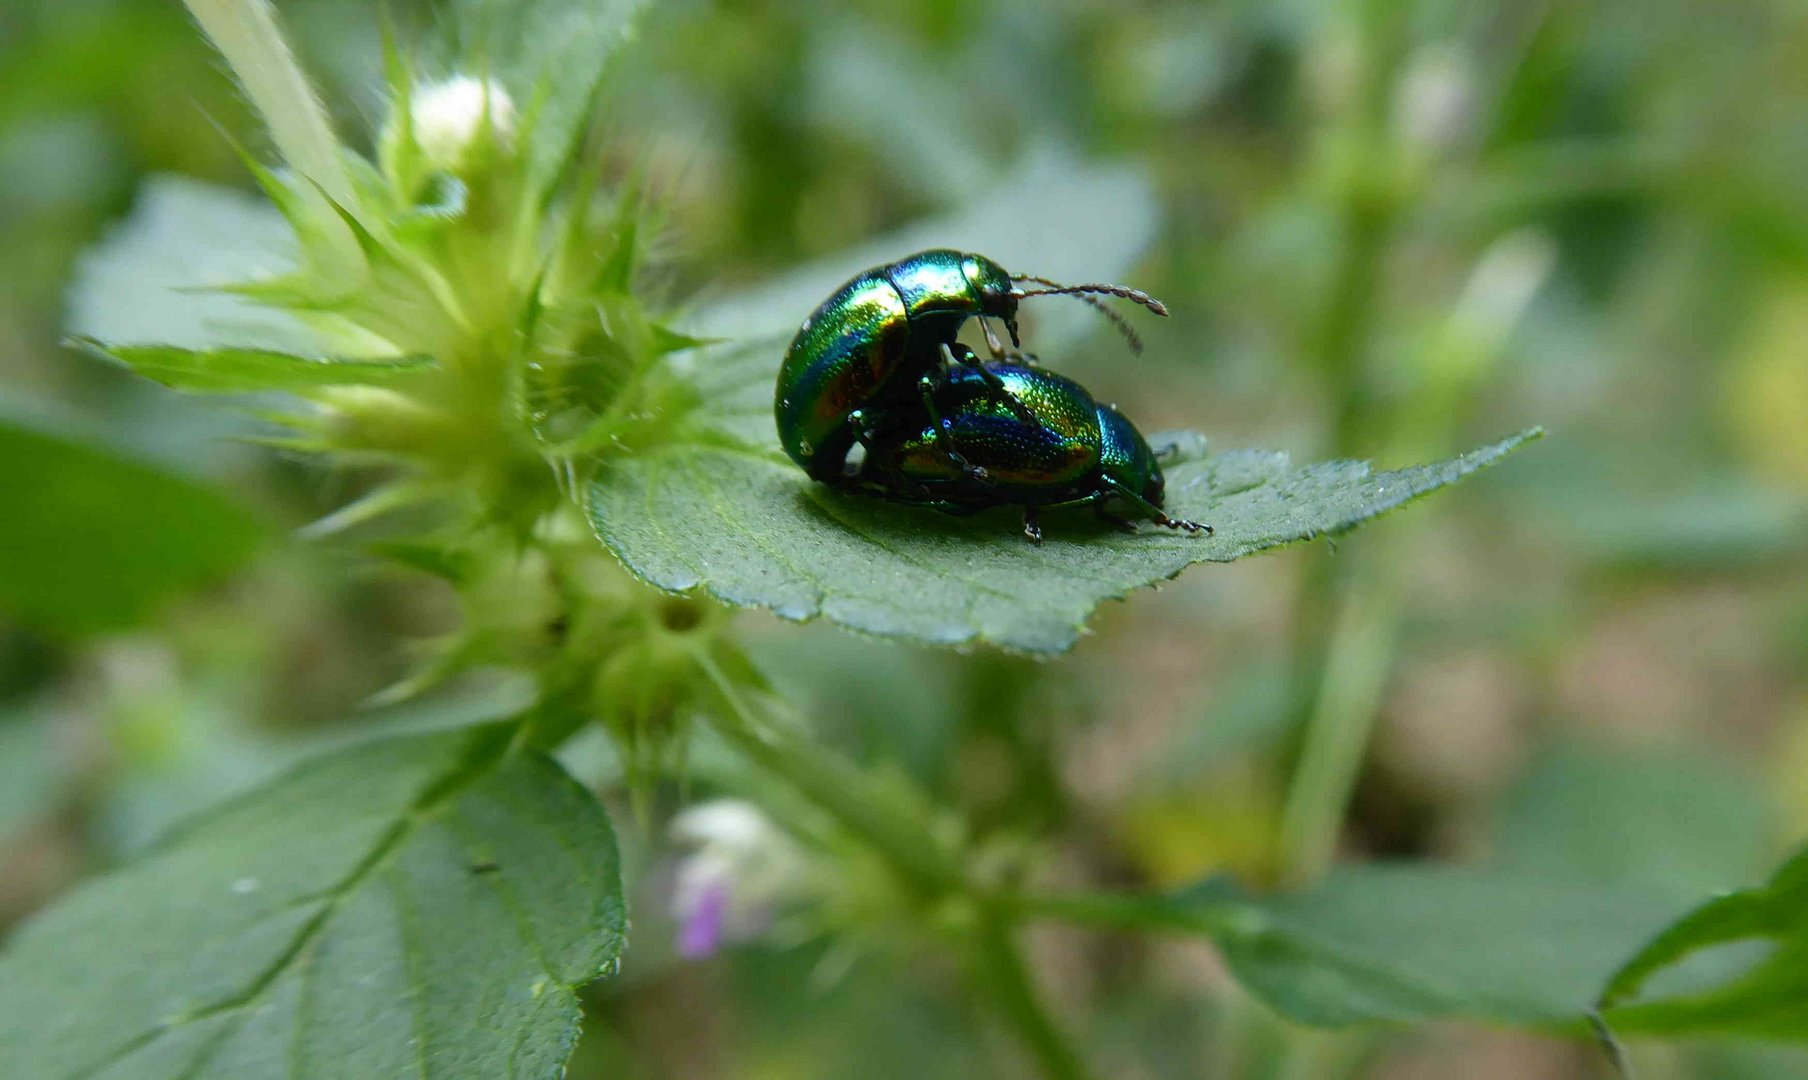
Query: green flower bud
x=454, y=124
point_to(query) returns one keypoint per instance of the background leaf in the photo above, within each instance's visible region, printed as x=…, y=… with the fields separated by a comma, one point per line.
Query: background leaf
x=726, y=512
x=1763, y=992
x=417, y=905
x=1528, y=938
x=91, y=540
x=1406, y=942
x=156, y=278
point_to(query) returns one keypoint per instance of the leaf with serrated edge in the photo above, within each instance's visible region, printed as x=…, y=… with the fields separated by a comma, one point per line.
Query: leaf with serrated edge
x=725, y=512
x=413, y=906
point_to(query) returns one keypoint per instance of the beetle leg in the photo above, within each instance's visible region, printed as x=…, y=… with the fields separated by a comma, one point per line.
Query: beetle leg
x=993, y=345
x=1155, y=512
x=954, y=509
x=936, y=424
x=924, y=499
x=1032, y=525
x=997, y=386
x=1105, y=515
x=863, y=436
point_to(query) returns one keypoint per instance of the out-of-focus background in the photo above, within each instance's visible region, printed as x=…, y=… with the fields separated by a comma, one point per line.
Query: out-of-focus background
x=1387, y=230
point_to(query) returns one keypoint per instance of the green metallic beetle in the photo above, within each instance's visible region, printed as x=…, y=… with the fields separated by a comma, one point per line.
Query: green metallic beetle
x=1074, y=452
x=872, y=349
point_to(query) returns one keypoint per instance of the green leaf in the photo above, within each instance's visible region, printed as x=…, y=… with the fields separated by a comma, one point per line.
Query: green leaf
x=1596, y=850
x=551, y=54
x=725, y=512
x=238, y=371
x=1763, y=995
x=1403, y=942
x=91, y=540
x=1529, y=938
x=1688, y=820
x=424, y=905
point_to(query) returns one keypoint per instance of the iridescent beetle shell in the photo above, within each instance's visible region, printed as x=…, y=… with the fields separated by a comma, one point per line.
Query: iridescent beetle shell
x=975, y=452
x=864, y=350
x=1038, y=462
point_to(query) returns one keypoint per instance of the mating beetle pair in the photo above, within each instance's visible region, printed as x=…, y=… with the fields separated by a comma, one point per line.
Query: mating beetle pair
x=878, y=364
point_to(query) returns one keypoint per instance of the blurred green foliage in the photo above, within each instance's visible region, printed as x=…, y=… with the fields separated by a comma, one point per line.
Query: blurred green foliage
x=1386, y=229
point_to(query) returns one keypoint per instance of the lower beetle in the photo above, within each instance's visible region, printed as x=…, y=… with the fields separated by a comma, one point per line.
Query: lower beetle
x=972, y=451
x=865, y=352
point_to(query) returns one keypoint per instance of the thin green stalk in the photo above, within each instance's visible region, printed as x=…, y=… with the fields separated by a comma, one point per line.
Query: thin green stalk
x=1000, y=967
x=1332, y=637
x=247, y=34
x=1357, y=661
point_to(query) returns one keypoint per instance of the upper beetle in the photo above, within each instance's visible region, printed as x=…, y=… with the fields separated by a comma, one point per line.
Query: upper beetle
x=871, y=348
x=1075, y=451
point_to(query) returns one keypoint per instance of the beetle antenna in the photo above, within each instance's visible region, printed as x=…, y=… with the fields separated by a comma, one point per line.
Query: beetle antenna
x=1134, y=339
x=1055, y=288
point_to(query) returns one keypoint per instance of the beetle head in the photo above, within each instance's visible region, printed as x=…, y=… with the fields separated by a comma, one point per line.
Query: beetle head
x=992, y=285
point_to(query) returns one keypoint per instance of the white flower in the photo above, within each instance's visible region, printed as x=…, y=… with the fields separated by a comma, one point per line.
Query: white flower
x=449, y=116
x=739, y=869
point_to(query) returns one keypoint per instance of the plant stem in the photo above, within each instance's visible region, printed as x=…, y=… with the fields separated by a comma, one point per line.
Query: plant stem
x=836, y=785
x=1357, y=644
x=1001, y=968
x=1357, y=661
x=897, y=834
x=247, y=34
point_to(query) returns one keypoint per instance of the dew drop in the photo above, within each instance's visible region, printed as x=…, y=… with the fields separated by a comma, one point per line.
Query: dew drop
x=245, y=886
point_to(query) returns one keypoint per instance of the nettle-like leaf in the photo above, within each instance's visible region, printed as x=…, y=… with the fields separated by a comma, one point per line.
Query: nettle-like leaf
x=1758, y=987
x=723, y=510
x=91, y=539
x=424, y=905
